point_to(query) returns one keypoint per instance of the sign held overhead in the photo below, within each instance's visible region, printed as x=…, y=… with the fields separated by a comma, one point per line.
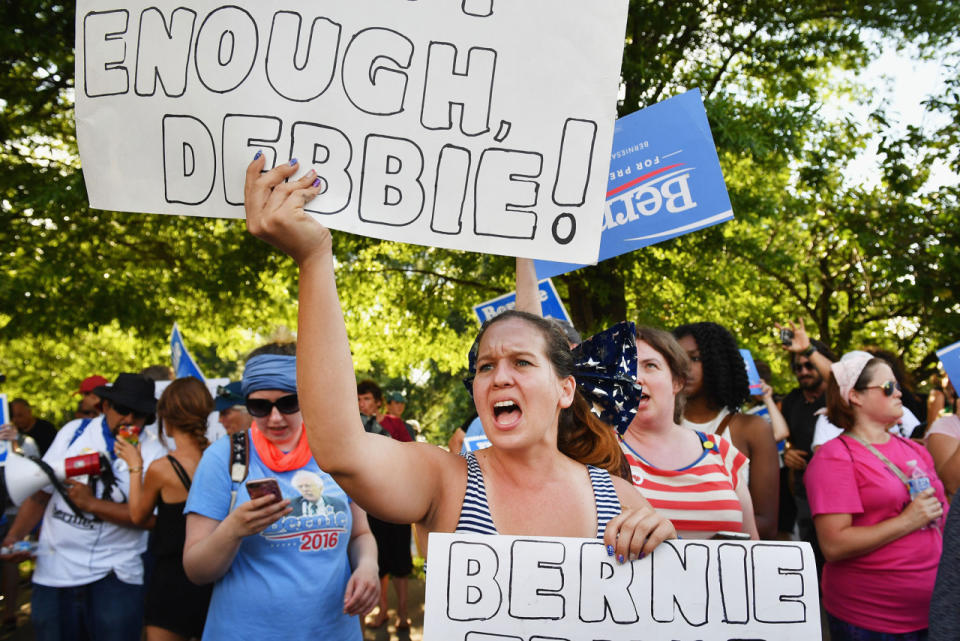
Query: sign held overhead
x=433, y=122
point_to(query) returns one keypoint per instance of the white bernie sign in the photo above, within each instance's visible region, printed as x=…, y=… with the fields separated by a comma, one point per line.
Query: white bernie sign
x=470, y=124
x=511, y=588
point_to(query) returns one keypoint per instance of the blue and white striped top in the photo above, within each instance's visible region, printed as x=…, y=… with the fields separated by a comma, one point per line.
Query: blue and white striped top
x=475, y=513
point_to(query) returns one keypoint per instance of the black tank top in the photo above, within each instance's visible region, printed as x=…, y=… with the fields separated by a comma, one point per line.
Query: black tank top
x=171, y=527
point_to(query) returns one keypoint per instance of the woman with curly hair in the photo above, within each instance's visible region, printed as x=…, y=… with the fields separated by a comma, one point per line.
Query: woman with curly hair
x=175, y=607
x=715, y=391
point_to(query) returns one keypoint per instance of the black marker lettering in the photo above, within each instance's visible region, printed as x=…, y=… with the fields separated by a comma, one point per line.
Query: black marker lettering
x=450, y=190
x=189, y=160
x=390, y=189
x=329, y=152
x=226, y=49
x=605, y=588
x=300, y=73
x=104, y=52
x=243, y=135
x=500, y=195
x=474, y=594
x=163, y=51
x=471, y=89
x=536, y=579
x=689, y=594
x=370, y=84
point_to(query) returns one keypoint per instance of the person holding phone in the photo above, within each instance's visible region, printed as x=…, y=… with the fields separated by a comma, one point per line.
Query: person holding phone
x=263, y=559
x=175, y=608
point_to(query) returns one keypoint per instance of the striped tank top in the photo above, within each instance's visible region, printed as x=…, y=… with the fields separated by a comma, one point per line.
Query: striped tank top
x=699, y=498
x=475, y=514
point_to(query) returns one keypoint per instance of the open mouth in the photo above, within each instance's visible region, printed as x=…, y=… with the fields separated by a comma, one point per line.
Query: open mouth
x=506, y=412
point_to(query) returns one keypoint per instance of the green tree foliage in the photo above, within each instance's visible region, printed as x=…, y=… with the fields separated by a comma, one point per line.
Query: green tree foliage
x=86, y=291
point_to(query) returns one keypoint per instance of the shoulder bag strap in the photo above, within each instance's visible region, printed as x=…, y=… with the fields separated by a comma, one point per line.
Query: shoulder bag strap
x=80, y=428
x=883, y=459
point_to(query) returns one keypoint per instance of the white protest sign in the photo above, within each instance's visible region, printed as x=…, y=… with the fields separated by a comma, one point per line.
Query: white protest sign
x=476, y=124
x=507, y=588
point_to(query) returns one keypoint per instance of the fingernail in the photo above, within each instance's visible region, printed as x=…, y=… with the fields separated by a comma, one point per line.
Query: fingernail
x=641, y=555
x=619, y=558
x=317, y=182
x=609, y=550
x=293, y=161
x=259, y=153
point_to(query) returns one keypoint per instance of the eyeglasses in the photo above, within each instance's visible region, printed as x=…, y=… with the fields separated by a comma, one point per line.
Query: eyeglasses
x=798, y=367
x=260, y=407
x=888, y=387
x=123, y=410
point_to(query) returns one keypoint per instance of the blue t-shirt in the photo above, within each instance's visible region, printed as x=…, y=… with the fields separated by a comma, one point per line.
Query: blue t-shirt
x=288, y=581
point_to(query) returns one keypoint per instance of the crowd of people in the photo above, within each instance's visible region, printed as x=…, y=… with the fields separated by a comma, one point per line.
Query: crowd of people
x=642, y=434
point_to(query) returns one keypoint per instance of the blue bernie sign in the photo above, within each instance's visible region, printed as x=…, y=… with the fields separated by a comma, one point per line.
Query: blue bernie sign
x=950, y=359
x=550, y=304
x=183, y=364
x=664, y=181
x=753, y=376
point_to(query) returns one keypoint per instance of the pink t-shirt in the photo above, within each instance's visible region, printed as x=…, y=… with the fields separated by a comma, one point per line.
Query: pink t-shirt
x=948, y=424
x=889, y=589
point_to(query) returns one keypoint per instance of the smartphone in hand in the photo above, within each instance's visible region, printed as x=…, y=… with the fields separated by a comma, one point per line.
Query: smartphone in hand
x=786, y=337
x=264, y=487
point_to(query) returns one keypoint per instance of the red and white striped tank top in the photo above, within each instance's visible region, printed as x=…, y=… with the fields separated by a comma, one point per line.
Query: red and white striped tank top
x=699, y=498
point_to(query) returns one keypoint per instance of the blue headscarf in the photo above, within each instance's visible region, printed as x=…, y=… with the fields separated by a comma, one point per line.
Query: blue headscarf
x=270, y=371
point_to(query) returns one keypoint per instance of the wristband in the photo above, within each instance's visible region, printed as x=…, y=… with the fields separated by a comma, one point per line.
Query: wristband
x=135, y=469
x=810, y=350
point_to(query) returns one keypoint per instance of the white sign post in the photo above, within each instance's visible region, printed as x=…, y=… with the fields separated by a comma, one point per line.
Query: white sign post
x=500, y=588
x=477, y=124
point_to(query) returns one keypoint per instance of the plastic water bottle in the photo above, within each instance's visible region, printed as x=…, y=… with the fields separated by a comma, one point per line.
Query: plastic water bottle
x=919, y=481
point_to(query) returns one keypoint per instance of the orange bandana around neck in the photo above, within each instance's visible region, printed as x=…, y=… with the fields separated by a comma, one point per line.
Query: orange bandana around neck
x=276, y=460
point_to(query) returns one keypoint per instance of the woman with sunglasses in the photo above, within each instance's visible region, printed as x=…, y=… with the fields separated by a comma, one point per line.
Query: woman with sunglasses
x=279, y=573
x=877, y=506
x=175, y=608
x=524, y=391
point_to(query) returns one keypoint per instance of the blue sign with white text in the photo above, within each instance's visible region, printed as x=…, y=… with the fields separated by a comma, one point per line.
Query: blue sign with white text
x=950, y=359
x=550, y=304
x=665, y=180
x=183, y=364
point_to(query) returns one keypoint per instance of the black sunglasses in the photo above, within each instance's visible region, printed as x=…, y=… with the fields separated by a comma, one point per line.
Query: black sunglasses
x=887, y=388
x=123, y=410
x=804, y=366
x=260, y=407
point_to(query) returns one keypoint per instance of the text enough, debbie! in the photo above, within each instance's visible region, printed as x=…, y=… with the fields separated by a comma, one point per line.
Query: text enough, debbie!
x=424, y=130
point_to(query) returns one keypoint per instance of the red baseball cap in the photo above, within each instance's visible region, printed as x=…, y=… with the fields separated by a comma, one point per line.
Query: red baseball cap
x=89, y=383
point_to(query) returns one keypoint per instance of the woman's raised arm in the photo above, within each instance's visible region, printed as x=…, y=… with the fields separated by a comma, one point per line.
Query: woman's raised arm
x=393, y=481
